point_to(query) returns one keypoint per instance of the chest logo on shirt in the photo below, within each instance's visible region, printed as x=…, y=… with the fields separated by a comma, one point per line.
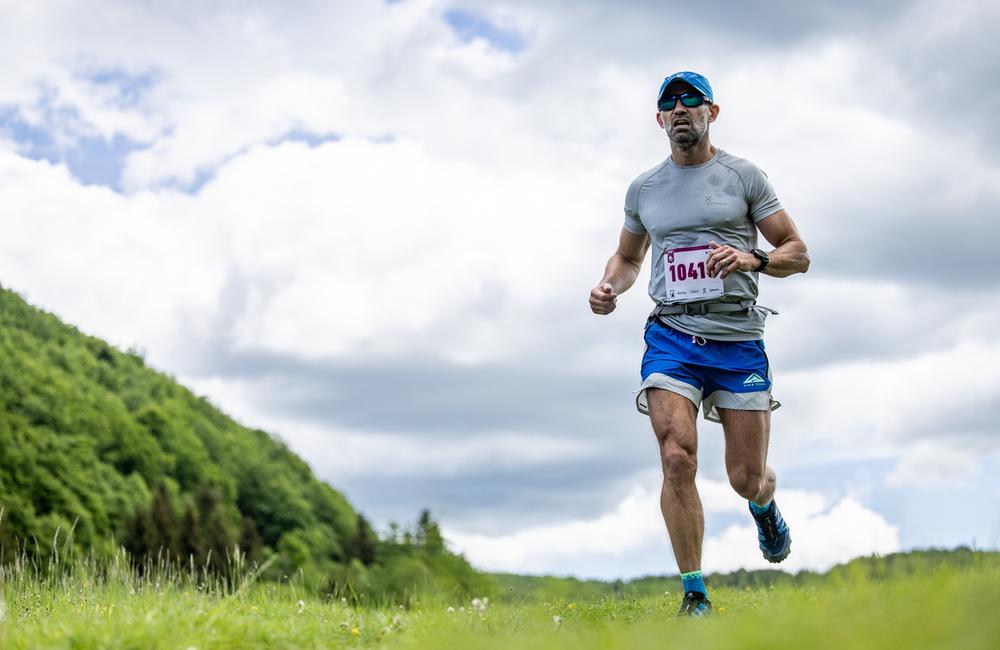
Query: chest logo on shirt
x=712, y=199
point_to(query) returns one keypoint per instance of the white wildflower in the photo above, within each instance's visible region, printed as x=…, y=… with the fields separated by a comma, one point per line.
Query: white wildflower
x=557, y=620
x=451, y=610
x=461, y=609
x=302, y=605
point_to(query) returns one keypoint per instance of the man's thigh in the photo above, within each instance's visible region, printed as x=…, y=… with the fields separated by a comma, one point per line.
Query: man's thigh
x=673, y=417
x=747, y=434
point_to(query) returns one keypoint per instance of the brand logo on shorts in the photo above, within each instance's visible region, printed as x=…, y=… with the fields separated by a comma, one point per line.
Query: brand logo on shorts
x=754, y=380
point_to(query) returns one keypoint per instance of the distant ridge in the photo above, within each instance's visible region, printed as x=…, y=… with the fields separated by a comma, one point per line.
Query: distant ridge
x=873, y=568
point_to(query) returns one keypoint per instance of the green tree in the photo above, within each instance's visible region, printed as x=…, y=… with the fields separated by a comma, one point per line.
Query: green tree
x=364, y=544
x=428, y=534
x=161, y=534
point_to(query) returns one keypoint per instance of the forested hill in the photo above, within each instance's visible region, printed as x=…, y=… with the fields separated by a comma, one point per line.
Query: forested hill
x=94, y=441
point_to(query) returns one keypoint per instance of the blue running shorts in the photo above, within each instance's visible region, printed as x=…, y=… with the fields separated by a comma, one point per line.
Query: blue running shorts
x=710, y=373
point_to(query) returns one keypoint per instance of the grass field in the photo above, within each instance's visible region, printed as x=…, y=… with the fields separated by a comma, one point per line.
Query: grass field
x=84, y=607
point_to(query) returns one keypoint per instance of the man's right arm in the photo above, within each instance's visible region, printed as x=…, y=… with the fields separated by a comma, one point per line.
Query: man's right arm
x=620, y=273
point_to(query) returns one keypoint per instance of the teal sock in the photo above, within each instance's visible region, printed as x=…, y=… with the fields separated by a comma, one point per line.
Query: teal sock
x=759, y=510
x=693, y=581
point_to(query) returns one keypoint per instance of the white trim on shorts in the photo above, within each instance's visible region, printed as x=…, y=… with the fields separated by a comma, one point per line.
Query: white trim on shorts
x=759, y=400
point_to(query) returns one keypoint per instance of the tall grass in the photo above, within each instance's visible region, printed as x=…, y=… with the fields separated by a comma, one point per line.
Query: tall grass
x=72, y=601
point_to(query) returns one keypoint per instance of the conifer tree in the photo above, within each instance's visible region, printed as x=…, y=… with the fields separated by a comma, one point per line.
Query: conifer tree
x=250, y=542
x=364, y=542
x=429, y=533
x=161, y=535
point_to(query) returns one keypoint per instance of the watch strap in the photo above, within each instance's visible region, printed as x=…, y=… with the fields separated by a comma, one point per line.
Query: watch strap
x=763, y=257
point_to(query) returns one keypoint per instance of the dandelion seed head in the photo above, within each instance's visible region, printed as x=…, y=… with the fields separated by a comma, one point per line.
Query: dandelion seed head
x=451, y=610
x=557, y=620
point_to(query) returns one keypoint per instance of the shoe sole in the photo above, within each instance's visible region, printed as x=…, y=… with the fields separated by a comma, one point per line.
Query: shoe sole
x=775, y=559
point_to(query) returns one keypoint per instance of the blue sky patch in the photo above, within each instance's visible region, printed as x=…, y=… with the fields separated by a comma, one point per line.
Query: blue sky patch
x=307, y=137
x=206, y=173
x=468, y=26
x=130, y=88
x=92, y=159
x=62, y=135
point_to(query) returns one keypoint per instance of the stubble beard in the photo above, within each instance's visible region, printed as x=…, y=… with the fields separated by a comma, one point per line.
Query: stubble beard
x=690, y=138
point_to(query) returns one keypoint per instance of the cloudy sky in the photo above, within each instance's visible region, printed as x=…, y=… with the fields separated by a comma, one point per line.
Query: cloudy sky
x=371, y=229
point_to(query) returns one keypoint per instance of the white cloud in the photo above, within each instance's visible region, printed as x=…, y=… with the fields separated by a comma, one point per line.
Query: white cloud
x=470, y=204
x=343, y=455
x=883, y=404
x=928, y=463
x=632, y=525
x=823, y=534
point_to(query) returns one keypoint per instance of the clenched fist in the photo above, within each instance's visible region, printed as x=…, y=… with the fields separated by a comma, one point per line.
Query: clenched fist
x=603, y=299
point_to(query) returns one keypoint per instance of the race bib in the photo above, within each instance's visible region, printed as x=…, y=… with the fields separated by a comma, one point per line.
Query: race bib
x=686, y=274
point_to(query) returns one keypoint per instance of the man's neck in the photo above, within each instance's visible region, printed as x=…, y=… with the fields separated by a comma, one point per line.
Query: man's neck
x=697, y=154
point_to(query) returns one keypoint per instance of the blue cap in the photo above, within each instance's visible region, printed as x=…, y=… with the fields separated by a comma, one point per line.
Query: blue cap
x=696, y=81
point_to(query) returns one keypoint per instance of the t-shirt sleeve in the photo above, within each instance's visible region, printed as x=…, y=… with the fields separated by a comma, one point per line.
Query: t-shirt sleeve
x=761, y=198
x=633, y=223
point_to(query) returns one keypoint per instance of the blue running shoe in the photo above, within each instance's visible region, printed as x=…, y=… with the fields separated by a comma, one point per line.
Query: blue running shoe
x=773, y=534
x=695, y=605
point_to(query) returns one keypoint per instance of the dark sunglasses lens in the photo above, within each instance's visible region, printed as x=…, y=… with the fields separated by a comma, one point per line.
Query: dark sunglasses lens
x=691, y=100
x=668, y=103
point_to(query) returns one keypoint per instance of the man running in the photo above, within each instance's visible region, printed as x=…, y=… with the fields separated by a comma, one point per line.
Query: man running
x=700, y=210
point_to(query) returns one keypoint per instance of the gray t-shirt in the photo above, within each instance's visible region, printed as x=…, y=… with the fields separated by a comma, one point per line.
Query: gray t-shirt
x=720, y=200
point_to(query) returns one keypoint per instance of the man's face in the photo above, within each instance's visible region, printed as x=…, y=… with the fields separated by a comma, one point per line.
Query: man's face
x=686, y=126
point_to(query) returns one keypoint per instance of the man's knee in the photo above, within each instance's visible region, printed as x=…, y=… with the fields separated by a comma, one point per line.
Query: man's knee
x=747, y=482
x=679, y=464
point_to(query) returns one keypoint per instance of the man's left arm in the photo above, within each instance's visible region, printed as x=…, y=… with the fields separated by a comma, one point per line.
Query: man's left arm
x=788, y=257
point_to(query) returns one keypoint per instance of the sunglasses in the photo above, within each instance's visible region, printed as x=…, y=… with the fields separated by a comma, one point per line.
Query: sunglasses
x=668, y=102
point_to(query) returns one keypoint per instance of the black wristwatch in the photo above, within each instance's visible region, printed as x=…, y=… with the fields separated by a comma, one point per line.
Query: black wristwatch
x=762, y=256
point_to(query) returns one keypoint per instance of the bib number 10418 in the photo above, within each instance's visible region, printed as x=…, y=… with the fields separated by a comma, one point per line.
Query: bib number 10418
x=685, y=271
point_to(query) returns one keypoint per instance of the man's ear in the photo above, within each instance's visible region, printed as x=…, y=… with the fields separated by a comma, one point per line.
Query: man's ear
x=713, y=112
x=659, y=119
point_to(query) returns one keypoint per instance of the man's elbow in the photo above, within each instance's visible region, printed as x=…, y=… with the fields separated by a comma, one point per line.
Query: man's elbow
x=804, y=262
